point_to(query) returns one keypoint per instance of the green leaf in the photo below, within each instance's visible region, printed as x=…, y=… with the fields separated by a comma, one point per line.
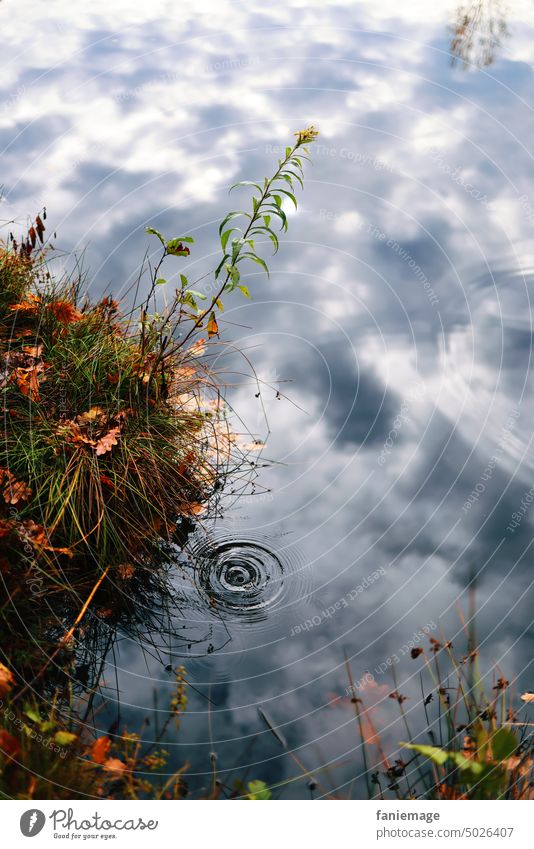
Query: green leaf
x=229, y=217
x=225, y=236
x=183, y=280
x=221, y=264
x=258, y=791
x=198, y=294
x=257, y=259
x=471, y=767
x=188, y=298
x=33, y=715
x=174, y=247
x=503, y=744
x=243, y=183
x=296, y=177
x=153, y=232
x=64, y=738
x=245, y=291
x=439, y=756
x=290, y=195
x=234, y=275
x=160, y=281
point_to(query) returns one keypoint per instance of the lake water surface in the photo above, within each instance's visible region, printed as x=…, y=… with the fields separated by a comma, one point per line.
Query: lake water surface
x=393, y=340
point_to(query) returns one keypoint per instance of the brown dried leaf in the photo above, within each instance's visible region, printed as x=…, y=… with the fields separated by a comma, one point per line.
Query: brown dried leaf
x=213, y=327
x=39, y=226
x=65, y=312
x=13, y=490
x=106, y=443
x=90, y=416
x=33, y=350
x=29, y=306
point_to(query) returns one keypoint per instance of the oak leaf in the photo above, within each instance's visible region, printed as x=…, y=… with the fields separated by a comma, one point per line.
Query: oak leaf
x=106, y=442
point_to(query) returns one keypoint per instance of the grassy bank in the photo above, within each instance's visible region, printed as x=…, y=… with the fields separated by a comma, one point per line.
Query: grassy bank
x=114, y=441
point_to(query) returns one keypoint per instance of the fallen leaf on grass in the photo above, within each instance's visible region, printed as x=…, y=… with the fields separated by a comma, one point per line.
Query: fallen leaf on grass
x=90, y=416
x=36, y=536
x=13, y=490
x=106, y=443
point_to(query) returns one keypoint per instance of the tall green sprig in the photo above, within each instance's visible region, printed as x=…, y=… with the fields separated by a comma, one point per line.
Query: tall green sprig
x=267, y=210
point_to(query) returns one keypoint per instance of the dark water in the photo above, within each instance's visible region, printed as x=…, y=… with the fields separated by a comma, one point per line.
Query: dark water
x=396, y=326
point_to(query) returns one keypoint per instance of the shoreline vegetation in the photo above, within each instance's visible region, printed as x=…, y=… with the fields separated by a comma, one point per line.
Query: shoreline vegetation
x=116, y=441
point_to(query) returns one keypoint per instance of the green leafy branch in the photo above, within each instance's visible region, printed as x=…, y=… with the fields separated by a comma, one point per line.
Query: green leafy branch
x=237, y=244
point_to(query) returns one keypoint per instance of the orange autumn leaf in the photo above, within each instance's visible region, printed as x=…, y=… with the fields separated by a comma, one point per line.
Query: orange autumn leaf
x=106, y=443
x=6, y=680
x=17, y=491
x=33, y=350
x=6, y=528
x=213, y=327
x=90, y=416
x=115, y=766
x=9, y=746
x=13, y=490
x=29, y=306
x=193, y=509
x=100, y=749
x=27, y=381
x=36, y=536
x=65, y=312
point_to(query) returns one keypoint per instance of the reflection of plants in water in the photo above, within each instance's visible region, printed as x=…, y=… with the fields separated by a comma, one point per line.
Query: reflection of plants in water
x=45, y=756
x=469, y=743
x=477, y=33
